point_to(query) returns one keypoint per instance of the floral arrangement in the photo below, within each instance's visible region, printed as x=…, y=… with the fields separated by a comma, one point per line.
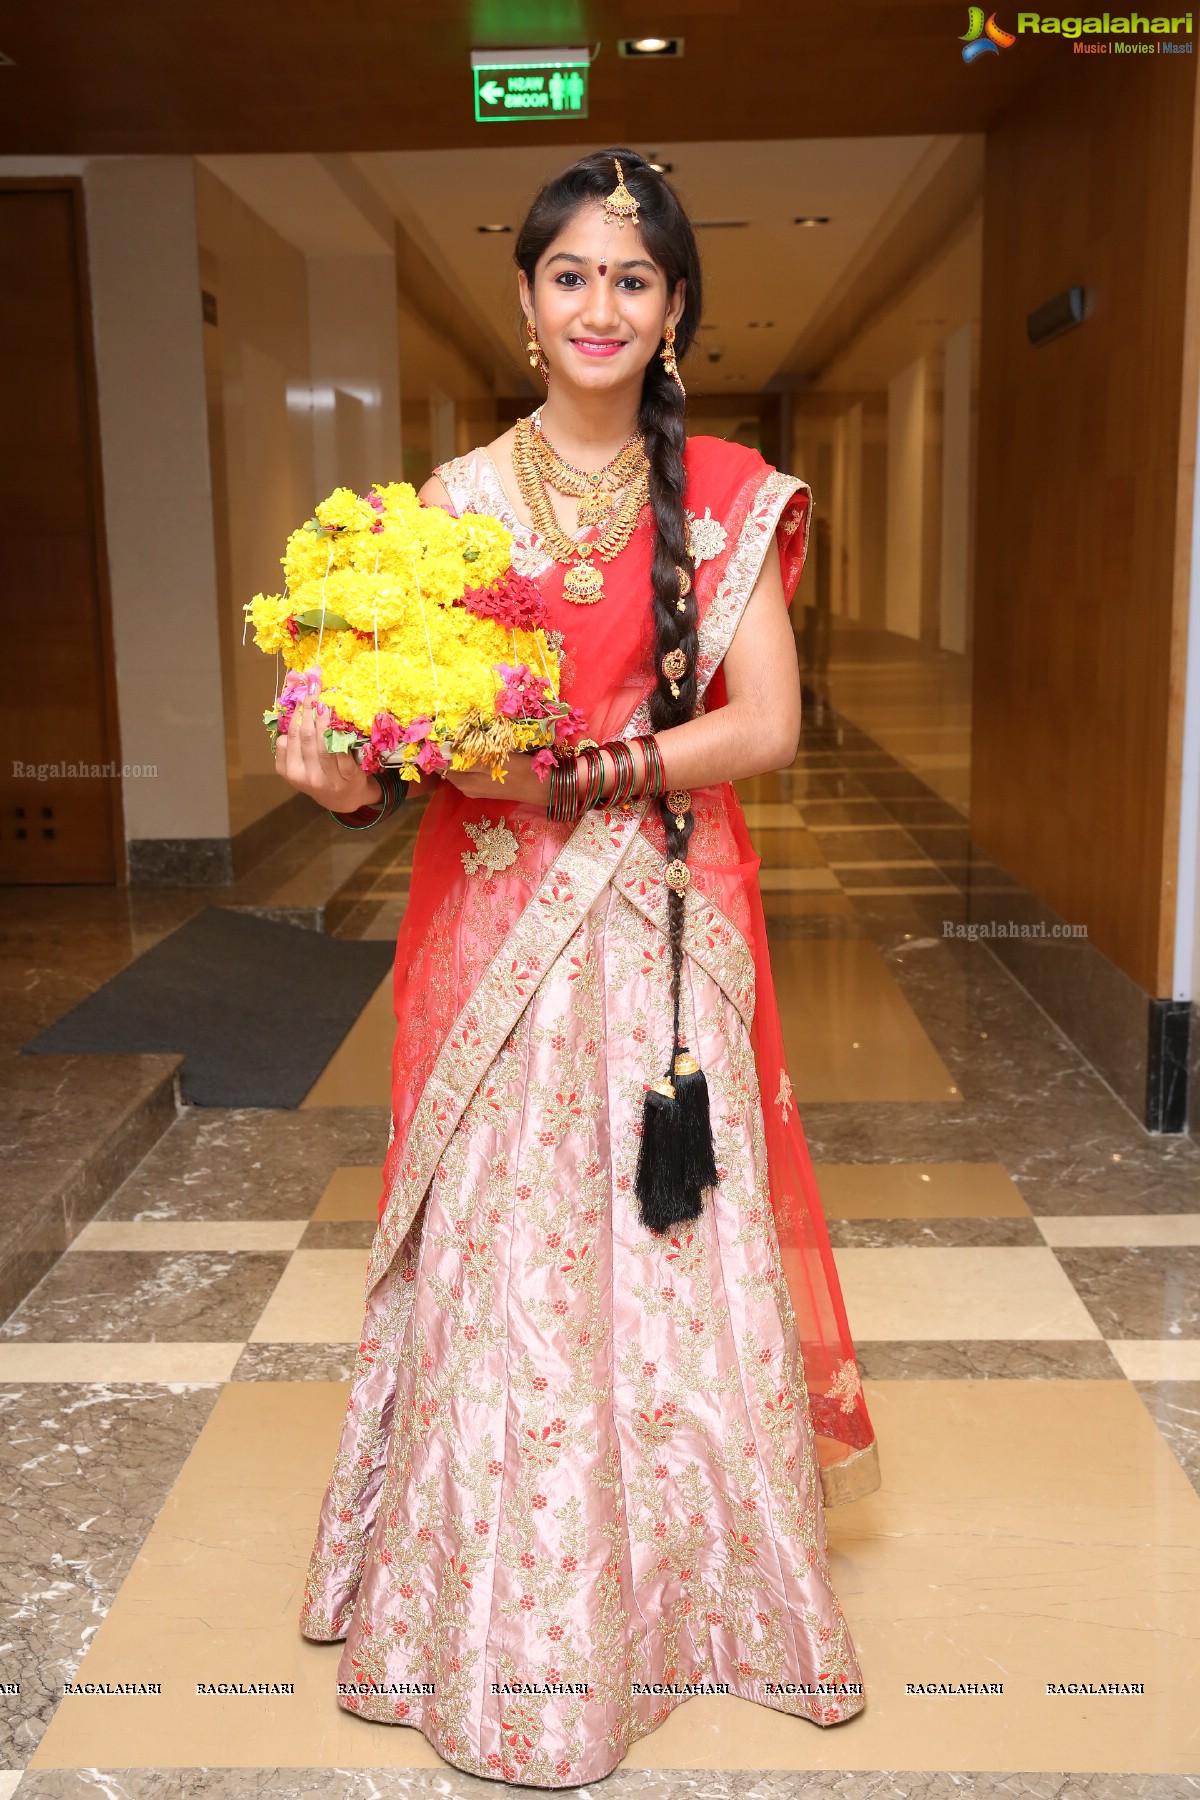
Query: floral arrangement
x=401, y=620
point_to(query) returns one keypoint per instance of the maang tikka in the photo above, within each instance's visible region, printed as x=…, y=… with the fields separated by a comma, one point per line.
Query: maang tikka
x=620, y=204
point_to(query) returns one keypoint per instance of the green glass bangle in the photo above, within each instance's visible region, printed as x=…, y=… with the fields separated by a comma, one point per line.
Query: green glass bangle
x=394, y=794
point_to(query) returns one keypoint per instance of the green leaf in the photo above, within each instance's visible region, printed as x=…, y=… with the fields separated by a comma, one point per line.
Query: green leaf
x=470, y=556
x=339, y=740
x=315, y=618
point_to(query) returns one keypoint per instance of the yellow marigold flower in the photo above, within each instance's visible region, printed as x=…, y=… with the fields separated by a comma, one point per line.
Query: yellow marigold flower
x=306, y=558
x=269, y=615
x=399, y=497
x=344, y=510
x=376, y=593
x=489, y=547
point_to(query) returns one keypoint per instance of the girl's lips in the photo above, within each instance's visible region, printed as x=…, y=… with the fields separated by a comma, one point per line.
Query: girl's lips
x=598, y=346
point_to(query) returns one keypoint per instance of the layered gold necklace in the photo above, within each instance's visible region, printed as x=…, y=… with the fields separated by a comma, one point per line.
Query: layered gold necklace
x=538, y=467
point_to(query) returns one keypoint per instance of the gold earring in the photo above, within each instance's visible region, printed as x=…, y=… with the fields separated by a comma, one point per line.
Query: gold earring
x=668, y=358
x=534, y=351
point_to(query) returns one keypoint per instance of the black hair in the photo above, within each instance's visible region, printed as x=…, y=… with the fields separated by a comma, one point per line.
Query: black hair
x=667, y=234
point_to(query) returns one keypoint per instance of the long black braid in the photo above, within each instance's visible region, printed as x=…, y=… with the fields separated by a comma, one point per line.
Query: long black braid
x=687, y=1164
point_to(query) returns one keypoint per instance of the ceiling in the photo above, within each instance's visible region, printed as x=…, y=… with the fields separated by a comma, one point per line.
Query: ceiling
x=351, y=75
x=782, y=302
x=917, y=318
x=762, y=277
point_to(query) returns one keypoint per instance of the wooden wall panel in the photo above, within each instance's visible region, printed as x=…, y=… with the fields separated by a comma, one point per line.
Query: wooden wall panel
x=58, y=702
x=1074, y=772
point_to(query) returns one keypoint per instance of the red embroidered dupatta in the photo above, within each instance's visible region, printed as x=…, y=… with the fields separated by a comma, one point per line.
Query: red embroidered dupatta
x=497, y=890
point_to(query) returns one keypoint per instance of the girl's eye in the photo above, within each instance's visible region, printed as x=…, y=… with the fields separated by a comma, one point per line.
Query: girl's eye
x=635, y=279
x=568, y=276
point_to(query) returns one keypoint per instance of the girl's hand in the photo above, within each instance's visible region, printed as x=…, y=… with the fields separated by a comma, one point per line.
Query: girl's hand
x=333, y=780
x=520, y=782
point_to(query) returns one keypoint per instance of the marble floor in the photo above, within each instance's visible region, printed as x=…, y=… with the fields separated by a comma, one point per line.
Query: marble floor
x=1021, y=1266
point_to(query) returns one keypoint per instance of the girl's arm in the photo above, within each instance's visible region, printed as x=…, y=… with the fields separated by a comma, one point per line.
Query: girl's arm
x=759, y=727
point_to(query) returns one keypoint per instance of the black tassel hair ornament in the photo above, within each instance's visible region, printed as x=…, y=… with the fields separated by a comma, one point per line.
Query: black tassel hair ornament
x=676, y=1159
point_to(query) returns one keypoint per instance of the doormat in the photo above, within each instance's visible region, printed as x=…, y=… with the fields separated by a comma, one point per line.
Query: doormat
x=255, y=1007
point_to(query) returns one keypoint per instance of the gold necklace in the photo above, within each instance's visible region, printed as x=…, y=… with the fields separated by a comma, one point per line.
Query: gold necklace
x=595, y=489
x=583, y=582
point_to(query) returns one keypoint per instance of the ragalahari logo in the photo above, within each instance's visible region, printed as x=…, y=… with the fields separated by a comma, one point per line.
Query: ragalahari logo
x=982, y=39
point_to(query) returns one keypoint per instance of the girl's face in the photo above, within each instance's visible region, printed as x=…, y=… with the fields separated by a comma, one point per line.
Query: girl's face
x=599, y=330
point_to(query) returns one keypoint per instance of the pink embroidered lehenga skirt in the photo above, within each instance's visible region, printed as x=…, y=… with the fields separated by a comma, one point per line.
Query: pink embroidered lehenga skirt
x=581, y=1475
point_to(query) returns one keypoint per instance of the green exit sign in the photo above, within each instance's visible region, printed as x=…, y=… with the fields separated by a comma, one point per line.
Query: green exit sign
x=530, y=84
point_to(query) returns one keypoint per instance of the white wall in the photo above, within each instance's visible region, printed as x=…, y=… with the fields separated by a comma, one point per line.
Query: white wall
x=906, y=498
x=958, y=490
x=853, y=510
x=261, y=440
x=354, y=370
x=1186, y=984
x=145, y=280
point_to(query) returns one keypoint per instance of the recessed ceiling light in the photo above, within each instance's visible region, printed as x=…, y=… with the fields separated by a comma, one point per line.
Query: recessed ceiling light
x=490, y=230
x=719, y=224
x=650, y=46
x=812, y=219
x=660, y=168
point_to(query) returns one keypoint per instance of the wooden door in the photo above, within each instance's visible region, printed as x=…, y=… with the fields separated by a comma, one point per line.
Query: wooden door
x=59, y=792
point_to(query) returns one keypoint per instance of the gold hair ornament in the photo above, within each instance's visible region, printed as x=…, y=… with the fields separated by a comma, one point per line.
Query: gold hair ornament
x=620, y=204
x=679, y=802
x=674, y=667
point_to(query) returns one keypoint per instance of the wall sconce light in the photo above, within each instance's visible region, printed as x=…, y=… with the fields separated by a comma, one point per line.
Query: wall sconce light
x=1063, y=313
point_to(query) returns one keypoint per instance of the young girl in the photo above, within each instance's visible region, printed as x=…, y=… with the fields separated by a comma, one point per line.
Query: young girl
x=606, y=1385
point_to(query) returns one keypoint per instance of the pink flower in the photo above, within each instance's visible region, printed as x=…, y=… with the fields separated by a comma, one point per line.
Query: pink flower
x=571, y=725
x=431, y=757
x=299, y=685
x=524, y=695
x=543, y=761
x=416, y=729
x=375, y=501
x=385, y=733
x=304, y=683
x=511, y=699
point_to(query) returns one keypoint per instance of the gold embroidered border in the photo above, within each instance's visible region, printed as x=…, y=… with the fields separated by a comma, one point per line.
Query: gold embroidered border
x=850, y=1479
x=585, y=865
x=587, y=862
x=710, y=938
x=742, y=568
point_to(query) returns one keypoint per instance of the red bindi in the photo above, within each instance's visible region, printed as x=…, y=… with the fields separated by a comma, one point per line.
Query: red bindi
x=603, y=267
